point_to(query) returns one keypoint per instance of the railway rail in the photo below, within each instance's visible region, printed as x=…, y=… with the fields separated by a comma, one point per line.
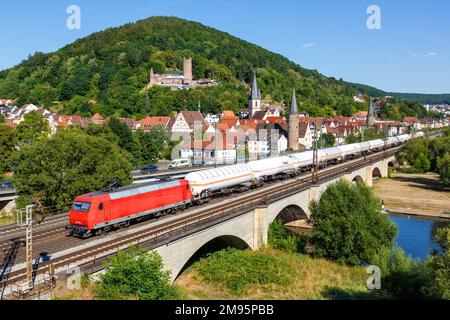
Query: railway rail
x=90, y=259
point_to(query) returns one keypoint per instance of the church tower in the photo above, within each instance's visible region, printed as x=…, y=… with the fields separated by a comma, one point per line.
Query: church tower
x=294, y=125
x=254, y=99
x=370, y=122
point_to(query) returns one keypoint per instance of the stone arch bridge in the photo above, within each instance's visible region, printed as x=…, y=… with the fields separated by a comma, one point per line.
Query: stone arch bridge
x=250, y=230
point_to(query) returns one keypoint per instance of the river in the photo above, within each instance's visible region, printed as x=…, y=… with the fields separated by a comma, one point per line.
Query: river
x=416, y=235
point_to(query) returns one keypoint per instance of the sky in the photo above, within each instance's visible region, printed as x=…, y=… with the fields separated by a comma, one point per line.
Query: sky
x=409, y=52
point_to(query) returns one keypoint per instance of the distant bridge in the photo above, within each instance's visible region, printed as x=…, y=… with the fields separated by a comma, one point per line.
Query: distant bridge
x=8, y=195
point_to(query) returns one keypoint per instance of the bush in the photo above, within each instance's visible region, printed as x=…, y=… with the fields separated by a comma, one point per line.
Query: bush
x=348, y=224
x=444, y=168
x=237, y=270
x=136, y=275
x=422, y=164
x=282, y=239
x=402, y=277
x=85, y=281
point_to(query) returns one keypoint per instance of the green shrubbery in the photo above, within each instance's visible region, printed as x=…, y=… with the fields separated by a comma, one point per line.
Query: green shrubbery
x=348, y=224
x=237, y=270
x=424, y=155
x=137, y=275
x=282, y=239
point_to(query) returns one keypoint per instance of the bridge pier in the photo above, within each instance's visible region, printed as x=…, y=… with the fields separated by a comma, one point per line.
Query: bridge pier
x=260, y=228
x=368, y=176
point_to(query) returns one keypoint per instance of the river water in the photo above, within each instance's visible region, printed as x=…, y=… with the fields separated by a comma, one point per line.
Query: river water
x=416, y=235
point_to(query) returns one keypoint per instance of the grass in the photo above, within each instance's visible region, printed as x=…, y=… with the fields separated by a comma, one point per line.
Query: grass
x=272, y=274
x=6, y=219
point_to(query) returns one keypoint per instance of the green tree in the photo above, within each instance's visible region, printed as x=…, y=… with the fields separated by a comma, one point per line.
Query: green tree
x=2, y=118
x=7, y=146
x=444, y=168
x=32, y=128
x=421, y=163
x=103, y=131
x=68, y=164
x=349, y=226
x=137, y=275
x=440, y=267
x=328, y=140
x=124, y=133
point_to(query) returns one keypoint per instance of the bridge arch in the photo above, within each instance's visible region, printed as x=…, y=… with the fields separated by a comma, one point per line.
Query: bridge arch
x=291, y=213
x=358, y=179
x=214, y=245
x=376, y=173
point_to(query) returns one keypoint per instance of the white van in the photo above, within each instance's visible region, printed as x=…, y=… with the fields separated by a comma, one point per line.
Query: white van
x=179, y=163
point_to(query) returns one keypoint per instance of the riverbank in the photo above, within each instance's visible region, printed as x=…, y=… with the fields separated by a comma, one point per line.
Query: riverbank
x=422, y=193
x=440, y=216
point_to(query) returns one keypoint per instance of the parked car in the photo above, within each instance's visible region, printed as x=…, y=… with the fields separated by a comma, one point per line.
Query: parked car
x=149, y=169
x=5, y=184
x=179, y=163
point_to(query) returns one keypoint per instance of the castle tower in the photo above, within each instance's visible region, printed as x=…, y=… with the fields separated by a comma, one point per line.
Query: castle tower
x=153, y=80
x=187, y=70
x=254, y=99
x=294, y=124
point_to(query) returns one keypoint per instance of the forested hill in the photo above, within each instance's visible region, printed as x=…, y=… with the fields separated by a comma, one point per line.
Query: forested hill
x=107, y=72
x=415, y=97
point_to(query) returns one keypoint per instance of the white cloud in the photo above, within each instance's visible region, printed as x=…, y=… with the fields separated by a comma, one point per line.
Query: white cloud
x=426, y=55
x=308, y=45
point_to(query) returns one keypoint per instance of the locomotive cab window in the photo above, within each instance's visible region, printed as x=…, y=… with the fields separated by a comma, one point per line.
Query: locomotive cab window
x=100, y=207
x=85, y=206
x=77, y=206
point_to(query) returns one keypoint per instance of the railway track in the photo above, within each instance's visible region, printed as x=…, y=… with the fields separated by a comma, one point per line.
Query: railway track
x=13, y=231
x=152, y=236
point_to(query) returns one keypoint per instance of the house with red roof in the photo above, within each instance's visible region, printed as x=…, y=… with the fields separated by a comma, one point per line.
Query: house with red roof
x=150, y=122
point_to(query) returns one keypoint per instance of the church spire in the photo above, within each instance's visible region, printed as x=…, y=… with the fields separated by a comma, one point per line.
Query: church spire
x=255, y=94
x=294, y=109
x=371, y=113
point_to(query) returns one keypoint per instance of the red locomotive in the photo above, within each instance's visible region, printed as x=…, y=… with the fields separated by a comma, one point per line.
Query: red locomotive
x=100, y=211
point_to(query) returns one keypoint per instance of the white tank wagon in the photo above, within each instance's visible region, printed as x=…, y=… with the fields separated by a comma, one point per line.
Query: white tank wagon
x=205, y=183
x=376, y=145
x=272, y=167
x=419, y=135
x=302, y=161
x=404, y=137
x=395, y=141
x=350, y=151
x=365, y=147
x=330, y=155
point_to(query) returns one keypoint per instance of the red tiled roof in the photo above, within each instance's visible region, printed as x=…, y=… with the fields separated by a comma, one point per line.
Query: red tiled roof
x=97, y=116
x=229, y=122
x=279, y=120
x=155, y=121
x=410, y=119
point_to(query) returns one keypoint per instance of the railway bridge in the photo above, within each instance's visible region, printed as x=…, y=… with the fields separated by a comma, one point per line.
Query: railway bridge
x=285, y=201
x=239, y=220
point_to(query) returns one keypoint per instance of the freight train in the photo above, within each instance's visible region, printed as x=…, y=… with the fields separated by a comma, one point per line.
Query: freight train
x=98, y=212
